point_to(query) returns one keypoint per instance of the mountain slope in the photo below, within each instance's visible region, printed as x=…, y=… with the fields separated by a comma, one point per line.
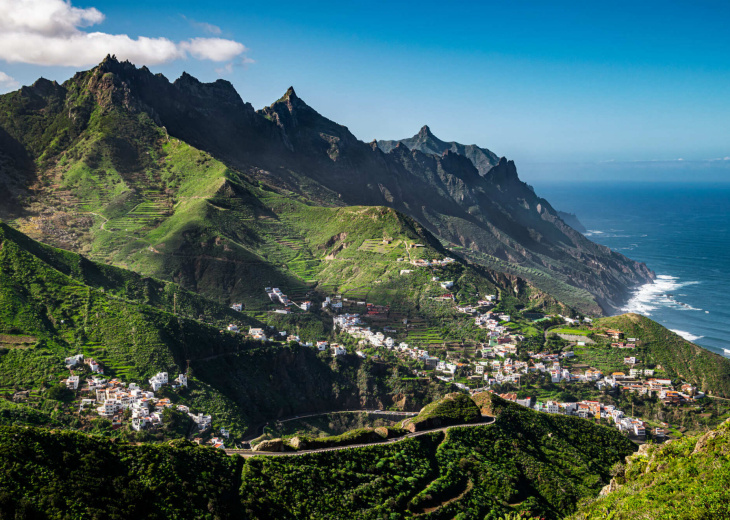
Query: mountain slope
x=48, y=312
x=525, y=461
x=115, y=185
x=424, y=141
x=117, y=151
x=679, y=358
x=685, y=479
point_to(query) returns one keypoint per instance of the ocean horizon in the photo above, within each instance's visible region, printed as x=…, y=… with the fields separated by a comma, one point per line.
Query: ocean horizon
x=680, y=231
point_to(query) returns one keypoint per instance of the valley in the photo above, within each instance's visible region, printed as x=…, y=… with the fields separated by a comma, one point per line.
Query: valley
x=193, y=290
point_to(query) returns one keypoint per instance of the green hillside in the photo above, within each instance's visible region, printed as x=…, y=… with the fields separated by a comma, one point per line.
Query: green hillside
x=184, y=181
x=46, y=316
x=679, y=358
x=526, y=461
x=686, y=479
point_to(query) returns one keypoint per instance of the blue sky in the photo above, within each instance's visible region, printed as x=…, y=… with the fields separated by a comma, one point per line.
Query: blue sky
x=565, y=83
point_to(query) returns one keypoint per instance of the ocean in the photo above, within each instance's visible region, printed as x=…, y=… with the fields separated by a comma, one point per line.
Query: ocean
x=681, y=231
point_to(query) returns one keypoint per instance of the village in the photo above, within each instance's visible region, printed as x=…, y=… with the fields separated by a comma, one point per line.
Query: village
x=117, y=401
x=500, y=361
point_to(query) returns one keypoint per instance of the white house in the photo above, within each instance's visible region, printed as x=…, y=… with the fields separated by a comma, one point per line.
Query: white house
x=182, y=380
x=203, y=421
x=237, y=307
x=158, y=380
x=447, y=284
x=72, y=383
x=338, y=350
x=322, y=345
x=232, y=328
x=74, y=360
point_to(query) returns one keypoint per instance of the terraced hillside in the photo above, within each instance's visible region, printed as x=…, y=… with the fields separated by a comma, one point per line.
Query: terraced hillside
x=187, y=180
x=152, y=203
x=55, y=304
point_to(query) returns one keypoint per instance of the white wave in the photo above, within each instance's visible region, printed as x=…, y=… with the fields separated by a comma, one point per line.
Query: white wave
x=651, y=296
x=686, y=335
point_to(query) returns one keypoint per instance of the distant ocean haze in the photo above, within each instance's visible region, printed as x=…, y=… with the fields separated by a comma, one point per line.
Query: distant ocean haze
x=681, y=231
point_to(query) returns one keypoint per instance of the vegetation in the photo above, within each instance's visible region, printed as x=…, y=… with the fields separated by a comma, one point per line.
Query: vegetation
x=678, y=358
x=685, y=479
x=452, y=409
x=46, y=316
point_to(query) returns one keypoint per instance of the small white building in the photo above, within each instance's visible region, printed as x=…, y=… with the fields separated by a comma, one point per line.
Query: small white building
x=158, y=380
x=74, y=360
x=182, y=380
x=72, y=383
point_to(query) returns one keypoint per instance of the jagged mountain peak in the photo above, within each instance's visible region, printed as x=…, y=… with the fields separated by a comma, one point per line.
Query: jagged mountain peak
x=425, y=131
x=290, y=93
x=425, y=141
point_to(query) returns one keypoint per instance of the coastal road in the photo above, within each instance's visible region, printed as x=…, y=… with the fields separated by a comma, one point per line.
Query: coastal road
x=486, y=419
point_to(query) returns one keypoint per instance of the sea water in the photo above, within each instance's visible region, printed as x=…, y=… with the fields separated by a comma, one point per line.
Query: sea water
x=682, y=233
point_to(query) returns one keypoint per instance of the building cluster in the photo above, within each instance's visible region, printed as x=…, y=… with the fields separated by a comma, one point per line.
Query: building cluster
x=78, y=359
x=433, y=263
x=275, y=295
x=588, y=410
x=110, y=398
x=352, y=325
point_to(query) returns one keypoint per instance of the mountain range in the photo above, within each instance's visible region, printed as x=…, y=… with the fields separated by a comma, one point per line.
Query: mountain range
x=186, y=181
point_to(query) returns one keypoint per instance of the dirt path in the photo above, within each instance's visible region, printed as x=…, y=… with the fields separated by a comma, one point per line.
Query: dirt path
x=427, y=510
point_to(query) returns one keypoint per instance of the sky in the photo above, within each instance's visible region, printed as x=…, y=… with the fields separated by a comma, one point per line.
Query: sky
x=569, y=90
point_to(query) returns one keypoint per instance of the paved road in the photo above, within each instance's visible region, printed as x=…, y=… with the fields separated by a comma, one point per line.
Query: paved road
x=249, y=453
x=259, y=430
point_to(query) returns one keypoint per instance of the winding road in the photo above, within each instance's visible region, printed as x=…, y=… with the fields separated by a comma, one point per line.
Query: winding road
x=259, y=430
x=486, y=419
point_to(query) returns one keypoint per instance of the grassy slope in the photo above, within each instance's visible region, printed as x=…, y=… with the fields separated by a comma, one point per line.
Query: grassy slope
x=526, y=461
x=452, y=409
x=113, y=185
x=679, y=358
x=687, y=479
x=46, y=315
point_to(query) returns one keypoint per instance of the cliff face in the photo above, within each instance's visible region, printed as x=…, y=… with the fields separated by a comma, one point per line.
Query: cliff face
x=472, y=201
x=424, y=141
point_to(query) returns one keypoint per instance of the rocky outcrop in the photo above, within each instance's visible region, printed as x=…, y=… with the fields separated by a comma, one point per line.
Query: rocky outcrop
x=269, y=445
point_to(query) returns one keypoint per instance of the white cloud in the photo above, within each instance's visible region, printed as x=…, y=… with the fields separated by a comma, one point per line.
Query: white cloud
x=203, y=26
x=48, y=32
x=215, y=49
x=224, y=70
x=243, y=62
x=7, y=82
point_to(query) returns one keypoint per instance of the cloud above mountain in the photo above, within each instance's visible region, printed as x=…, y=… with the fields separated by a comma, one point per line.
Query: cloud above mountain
x=51, y=32
x=7, y=82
